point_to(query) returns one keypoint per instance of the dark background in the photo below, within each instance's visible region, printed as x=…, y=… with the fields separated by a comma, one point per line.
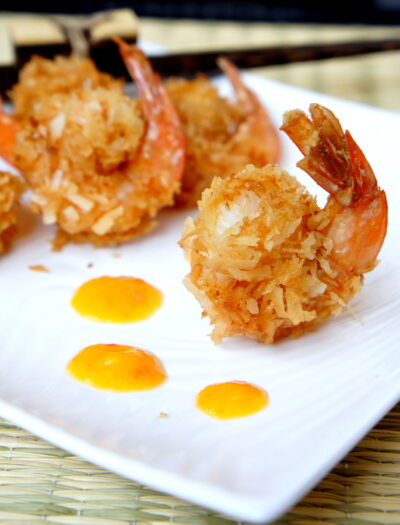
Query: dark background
x=338, y=11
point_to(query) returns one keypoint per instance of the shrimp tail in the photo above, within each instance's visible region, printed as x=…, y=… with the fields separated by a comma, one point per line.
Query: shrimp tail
x=163, y=151
x=243, y=93
x=8, y=131
x=358, y=207
x=365, y=183
x=154, y=98
x=258, y=124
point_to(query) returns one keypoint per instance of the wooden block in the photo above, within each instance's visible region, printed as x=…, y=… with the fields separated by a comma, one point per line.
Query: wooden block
x=8, y=73
x=34, y=35
x=121, y=22
x=34, y=31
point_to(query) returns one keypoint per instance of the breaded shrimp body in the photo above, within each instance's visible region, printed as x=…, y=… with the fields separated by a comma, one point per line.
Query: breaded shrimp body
x=72, y=149
x=222, y=136
x=41, y=77
x=266, y=261
x=99, y=164
x=256, y=268
x=10, y=190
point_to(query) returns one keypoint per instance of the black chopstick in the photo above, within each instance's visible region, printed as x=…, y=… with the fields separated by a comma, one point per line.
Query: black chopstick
x=191, y=63
x=188, y=64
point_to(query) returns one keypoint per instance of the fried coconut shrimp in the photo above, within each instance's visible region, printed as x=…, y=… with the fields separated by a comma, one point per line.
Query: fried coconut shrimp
x=42, y=77
x=222, y=137
x=266, y=261
x=10, y=190
x=99, y=164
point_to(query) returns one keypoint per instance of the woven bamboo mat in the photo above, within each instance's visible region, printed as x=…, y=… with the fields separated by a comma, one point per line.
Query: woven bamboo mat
x=39, y=482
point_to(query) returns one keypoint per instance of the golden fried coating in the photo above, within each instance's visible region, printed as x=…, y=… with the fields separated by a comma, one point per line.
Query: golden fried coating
x=266, y=261
x=222, y=136
x=73, y=150
x=101, y=165
x=10, y=190
x=41, y=77
x=261, y=264
x=208, y=120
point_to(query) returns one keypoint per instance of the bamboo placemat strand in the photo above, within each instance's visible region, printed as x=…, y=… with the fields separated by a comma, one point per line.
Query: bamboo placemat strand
x=41, y=483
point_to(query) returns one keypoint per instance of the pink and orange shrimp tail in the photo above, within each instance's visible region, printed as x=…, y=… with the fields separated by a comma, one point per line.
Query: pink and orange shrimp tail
x=154, y=98
x=258, y=118
x=365, y=183
x=8, y=132
x=163, y=148
x=370, y=208
x=358, y=207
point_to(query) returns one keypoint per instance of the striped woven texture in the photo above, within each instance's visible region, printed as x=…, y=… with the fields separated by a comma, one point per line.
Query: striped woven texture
x=41, y=483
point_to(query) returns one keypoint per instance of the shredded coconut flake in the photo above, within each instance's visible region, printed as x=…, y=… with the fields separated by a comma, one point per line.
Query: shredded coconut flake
x=106, y=222
x=94, y=105
x=71, y=214
x=56, y=126
x=38, y=199
x=57, y=179
x=82, y=203
x=49, y=216
x=232, y=214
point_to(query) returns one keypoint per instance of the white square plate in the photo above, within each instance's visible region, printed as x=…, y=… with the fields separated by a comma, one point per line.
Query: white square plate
x=327, y=389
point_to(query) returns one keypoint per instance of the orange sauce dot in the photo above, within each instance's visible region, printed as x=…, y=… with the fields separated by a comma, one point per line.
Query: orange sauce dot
x=116, y=299
x=231, y=399
x=117, y=367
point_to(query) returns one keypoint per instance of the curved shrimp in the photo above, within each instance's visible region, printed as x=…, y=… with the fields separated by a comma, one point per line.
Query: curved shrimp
x=223, y=137
x=266, y=261
x=101, y=165
x=356, y=205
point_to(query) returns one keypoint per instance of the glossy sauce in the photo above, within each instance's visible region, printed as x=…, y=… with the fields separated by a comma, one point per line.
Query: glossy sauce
x=231, y=399
x=116, y=299
x=117, y=367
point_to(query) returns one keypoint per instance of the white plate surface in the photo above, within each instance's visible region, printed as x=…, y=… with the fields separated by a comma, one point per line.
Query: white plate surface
x=327, y=389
